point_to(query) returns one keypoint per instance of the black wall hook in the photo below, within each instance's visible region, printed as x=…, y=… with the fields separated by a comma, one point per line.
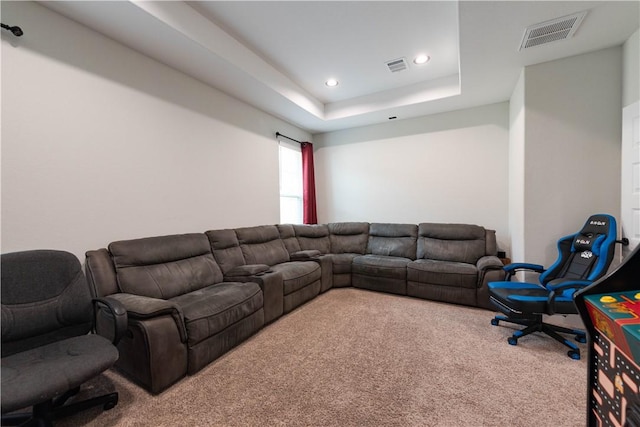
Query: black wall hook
x=17, y=31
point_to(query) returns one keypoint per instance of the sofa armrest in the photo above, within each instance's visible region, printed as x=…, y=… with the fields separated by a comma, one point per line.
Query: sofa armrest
x=247, y=270
x=110, y=318
x=141, y=307
x=308, y=255
x=272, y=286
x=100, y=273
x=489, y=262
x=490, y=269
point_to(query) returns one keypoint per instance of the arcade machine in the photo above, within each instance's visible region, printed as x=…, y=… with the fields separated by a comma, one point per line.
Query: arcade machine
x=610, y=310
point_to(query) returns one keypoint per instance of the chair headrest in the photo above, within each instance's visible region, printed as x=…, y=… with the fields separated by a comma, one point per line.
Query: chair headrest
x=592, y=234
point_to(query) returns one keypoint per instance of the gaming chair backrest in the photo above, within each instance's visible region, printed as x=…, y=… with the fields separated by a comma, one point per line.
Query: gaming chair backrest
x=587, y=254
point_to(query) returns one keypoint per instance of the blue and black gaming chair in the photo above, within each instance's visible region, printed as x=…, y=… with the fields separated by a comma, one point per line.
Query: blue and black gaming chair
x=583, y=257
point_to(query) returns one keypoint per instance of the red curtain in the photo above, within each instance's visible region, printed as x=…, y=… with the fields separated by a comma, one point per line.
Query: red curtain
x=309, y=215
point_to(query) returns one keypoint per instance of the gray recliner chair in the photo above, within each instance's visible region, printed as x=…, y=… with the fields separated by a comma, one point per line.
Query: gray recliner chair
x=47, y=350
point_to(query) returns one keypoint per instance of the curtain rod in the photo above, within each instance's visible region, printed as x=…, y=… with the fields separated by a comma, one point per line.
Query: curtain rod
x=278, y=134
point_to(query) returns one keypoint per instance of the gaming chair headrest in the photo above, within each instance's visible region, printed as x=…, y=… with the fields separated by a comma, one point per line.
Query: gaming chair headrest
x=593, y=234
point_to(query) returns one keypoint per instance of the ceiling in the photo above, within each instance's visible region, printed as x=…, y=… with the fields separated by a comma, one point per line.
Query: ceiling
x=277, y=55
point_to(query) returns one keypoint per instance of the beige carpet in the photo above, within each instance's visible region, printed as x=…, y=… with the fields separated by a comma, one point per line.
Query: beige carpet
x=359, y=358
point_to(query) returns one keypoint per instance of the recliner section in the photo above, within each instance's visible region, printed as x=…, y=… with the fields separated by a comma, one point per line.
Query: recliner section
x=454, y=262
x=229, y=256
x=182, y=314
x=262, y=245
x=390, y=248
x=192, y=297
x=347, y=241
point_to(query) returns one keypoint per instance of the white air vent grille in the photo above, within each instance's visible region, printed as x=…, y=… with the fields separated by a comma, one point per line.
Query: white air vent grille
x=551, y=31
x=397, y=65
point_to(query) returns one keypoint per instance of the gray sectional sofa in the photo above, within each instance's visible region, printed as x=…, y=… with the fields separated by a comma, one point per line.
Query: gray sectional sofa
x=192, y=297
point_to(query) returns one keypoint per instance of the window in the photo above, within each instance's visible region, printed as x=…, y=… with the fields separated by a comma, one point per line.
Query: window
x=290, y=184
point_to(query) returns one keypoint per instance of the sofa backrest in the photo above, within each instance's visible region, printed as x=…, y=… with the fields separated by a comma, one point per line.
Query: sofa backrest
x=393, y=240
x=348, y=237
x=164, y=266
x=288, y=236
x=262, y=245
x=451, y=242
x=313, y=237
x=225, y=248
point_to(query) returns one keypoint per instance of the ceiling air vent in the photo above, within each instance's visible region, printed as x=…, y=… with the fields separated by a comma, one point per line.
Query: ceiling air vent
x=551, y=31
x=397, y=65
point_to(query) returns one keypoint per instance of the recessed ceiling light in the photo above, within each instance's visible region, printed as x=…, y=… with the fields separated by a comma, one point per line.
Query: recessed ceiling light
x=331, y=83
x=421, y=59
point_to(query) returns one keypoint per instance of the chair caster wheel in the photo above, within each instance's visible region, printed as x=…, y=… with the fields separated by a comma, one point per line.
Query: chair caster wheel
x=495, y=322
x=512, y=341
x=575, y=355
x=581, y=339
x=110, y=404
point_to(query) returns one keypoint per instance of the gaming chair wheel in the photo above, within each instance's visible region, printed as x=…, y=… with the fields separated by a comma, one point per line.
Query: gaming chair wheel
x=581, y=339
x=111, y=403
x=495, y=322
x=574, y=354
x=512, y=341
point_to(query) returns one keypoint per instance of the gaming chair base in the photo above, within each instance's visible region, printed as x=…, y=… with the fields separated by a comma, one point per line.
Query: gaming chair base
x=534, y=323
x=45, y=413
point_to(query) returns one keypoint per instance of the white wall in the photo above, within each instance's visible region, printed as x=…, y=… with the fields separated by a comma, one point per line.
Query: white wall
x=449, y=167
x=572, y=147
x=631, y=70
x=101, y=143
x=516, y=169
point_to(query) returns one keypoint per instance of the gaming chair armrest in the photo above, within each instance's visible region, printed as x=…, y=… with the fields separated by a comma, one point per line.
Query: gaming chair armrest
x=556, y=289
x=512, y=268
x=569, y=284
x=114, y=311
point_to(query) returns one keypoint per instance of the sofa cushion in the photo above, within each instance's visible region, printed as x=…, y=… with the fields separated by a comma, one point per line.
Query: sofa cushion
x=381, y=266
x=313, y=237
x=164, y=266
x=288, y=237
x=397, y=240
x=297, y=274
x=348, y=237
x=445, y=273
x=451, y=242
x=226, y=249
x=210, y=310
x=342, y=262
x=262, y=245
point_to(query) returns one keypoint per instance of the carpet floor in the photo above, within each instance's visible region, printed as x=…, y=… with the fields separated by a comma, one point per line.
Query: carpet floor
x=358, y=358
